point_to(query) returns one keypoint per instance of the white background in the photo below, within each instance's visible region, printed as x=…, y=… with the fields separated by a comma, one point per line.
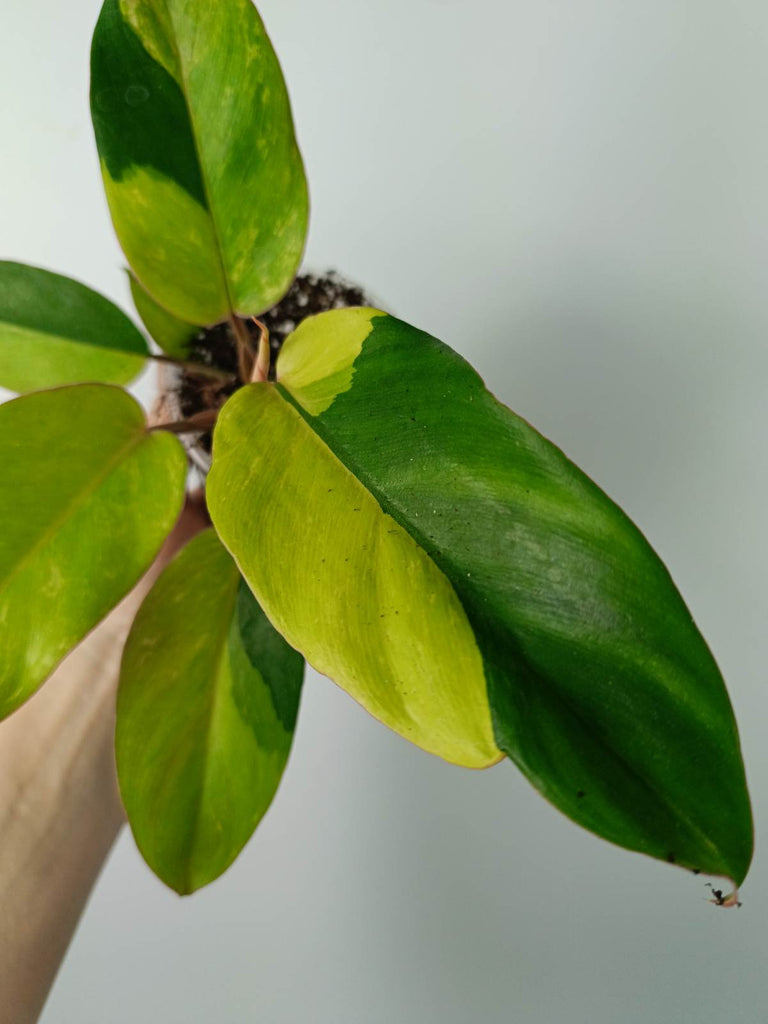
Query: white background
x=572, y=193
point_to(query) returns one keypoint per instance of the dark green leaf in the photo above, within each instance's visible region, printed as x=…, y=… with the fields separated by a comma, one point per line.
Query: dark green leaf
x=599, y=685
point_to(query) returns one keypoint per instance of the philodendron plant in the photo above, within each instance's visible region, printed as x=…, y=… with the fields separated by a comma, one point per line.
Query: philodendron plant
x=375, y=510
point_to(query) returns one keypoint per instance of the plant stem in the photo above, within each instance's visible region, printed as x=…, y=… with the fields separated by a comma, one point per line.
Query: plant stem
x=198, y=368
x=196, y=424
x=245, y=354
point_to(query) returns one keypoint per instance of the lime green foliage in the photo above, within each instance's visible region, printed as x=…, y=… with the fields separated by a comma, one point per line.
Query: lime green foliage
x=171, y=334
x=206, y=711
x=344, y=583
x=55, y=331
x=88, y=497
x=185, y=273
x=599, y=685
x=317, y=360
x=203, y=176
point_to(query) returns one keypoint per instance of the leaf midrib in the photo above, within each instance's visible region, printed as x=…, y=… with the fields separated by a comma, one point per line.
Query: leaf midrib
x=184, y=86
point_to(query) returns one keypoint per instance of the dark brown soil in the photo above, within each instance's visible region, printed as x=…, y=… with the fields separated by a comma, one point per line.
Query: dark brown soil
x=215, y=346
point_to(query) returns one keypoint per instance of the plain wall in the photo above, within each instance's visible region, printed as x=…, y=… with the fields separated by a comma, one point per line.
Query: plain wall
x=572, y=193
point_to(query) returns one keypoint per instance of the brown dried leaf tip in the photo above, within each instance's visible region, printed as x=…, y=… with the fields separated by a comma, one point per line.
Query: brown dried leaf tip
x=721, y=899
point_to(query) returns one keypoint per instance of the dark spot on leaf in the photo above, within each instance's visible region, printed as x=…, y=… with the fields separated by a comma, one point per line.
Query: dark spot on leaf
x=717, y=894
x=580, y=793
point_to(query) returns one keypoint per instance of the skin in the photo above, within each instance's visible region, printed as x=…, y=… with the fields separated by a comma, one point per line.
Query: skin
x=60, y=810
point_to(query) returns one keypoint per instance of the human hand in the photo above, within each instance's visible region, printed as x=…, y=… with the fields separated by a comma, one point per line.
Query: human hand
x=60, y=808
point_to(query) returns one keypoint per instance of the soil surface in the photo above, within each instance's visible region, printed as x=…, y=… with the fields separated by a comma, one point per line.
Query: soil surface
x=215, y=346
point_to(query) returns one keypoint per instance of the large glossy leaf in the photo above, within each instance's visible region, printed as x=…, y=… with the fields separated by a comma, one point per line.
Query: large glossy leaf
x=206, y=711
x=341, y=579
x=171, y=334
x=88, y=495
x=56, y=331
x=599, y=686
x=200, y=164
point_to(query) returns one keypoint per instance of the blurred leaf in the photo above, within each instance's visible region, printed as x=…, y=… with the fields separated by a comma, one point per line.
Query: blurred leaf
x=55, y=331
x=171, y=334
x=87, y=500
x=206, y=710
x=203, y=176
x=435, y=525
